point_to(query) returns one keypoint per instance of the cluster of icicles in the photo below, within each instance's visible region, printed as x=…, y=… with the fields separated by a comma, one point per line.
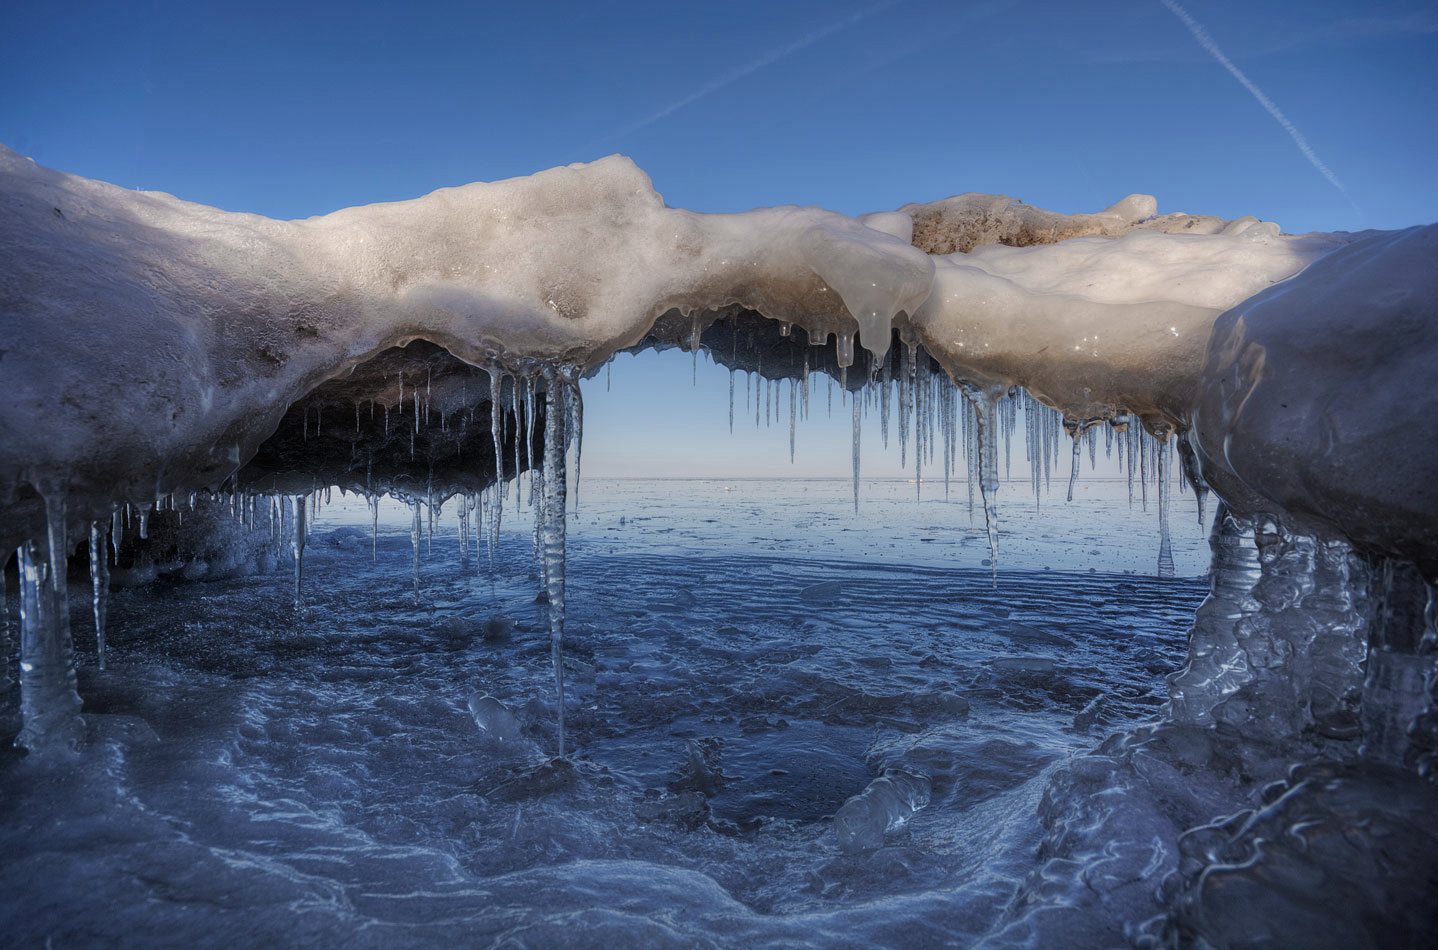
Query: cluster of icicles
x=938, y=423
x=950, y=423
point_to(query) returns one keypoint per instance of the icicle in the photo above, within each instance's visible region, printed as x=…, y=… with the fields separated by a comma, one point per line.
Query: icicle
x=884, y=404
x=731, y=401
x=1142, y=449
x=463, y=509
x=6, y=679
x=844, y=349
x=906, y=403
x=297, y=550
x=99, y=587
x=987, y=443
x=1074, y=470
x=1165, y=550
x=757, y=400
x=554, y=534
x=793, y=417
x=575, y=430
x=695, y=331
x=117, y=533
x=1190, y=470
x=857, y=420
x=374, y=529
x=522, y=436
x=49, y=702
x=416, y=532
x=804, y=387
x=494, y=391
x=536, y=508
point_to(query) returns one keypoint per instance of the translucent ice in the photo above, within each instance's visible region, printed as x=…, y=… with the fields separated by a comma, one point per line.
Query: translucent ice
x=886, y=804
x=494, y=718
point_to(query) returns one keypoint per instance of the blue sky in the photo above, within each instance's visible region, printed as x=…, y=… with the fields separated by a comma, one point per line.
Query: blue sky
x=298, y=109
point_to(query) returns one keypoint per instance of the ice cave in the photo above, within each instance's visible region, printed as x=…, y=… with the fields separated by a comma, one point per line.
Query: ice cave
x=463, y=718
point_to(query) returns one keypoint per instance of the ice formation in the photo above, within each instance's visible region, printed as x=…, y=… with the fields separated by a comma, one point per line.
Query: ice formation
x=885, y=805
x=165, y=360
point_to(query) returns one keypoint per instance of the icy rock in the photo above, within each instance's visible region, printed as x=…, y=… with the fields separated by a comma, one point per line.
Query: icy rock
x=494, y=719
x=887, y=804
x=1315, y=390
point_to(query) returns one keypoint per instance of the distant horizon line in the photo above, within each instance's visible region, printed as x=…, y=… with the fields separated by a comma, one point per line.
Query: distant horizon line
x=819, y=478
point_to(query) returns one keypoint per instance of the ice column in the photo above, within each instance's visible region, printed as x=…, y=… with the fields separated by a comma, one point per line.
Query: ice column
x=1399, y=664
x=556, y=417
x=99, y=587
x=416, y=532
x=5, y=676
x=49, y=702
x=1217, y=663
x=297, y=548
x=858, y=415
x=1164, y=448
x=988, y=468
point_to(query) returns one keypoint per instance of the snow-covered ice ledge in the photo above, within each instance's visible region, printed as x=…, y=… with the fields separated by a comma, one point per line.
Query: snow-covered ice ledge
x=152, y=344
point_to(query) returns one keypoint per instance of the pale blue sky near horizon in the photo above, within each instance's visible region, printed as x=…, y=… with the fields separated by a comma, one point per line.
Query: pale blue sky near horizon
x=292, y=110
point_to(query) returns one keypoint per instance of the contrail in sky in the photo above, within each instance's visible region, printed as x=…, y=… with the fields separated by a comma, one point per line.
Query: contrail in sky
x=1206, y=41
x=734, y=75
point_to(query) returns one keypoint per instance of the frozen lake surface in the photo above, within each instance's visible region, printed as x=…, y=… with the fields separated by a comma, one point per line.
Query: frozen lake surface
x=742, y=657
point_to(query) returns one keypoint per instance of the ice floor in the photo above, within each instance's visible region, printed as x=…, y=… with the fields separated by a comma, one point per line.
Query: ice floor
x=741, y=658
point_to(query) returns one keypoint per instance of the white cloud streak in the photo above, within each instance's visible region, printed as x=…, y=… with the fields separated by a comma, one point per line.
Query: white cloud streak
x=768, y=59
x=1206, y=41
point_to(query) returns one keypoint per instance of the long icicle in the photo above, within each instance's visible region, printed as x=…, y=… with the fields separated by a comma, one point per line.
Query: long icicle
x=858, y=416
x=99, y=587
x=987, y=444
x=416, y=532
x=49, y=701
x=6, y=676
x=555, y=443
x=575, y=431
x=297, y=549
x=1074, y=470
x=1165, y=547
